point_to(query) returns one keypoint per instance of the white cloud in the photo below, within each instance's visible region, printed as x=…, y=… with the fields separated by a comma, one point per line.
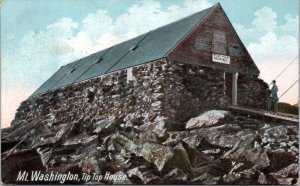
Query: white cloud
x=291, y=26
x=265, y=19
x=272, y=46
x=94, y=25
x=64, y=27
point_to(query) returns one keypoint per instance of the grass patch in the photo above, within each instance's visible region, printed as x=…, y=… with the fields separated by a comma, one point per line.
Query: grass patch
x=288, y=108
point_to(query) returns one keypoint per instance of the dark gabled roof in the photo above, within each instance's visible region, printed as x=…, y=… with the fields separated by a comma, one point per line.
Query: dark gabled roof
x=142, y=49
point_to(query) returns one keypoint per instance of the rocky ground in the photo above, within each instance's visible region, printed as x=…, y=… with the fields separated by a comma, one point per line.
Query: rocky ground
x=217, y=147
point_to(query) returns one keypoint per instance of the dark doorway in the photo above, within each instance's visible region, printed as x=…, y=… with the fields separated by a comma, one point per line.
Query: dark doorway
x=228, y=87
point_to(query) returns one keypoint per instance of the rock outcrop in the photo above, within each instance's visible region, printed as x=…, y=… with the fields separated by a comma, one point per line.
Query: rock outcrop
x=223, y=151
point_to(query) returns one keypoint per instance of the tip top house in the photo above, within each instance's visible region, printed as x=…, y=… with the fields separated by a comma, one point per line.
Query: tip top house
x=173, y=72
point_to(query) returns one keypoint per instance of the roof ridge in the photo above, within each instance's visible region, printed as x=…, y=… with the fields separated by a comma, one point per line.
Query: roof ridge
x=196, y=24
x=186, y=17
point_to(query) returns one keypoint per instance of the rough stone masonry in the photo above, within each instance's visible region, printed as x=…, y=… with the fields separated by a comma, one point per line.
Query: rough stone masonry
x=133, y=123
x=162, y=93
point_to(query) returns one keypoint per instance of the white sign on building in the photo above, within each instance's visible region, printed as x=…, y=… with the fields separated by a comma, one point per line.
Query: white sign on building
x=221, y=58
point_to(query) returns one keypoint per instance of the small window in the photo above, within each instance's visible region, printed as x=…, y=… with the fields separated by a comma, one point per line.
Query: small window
x=73, y=70
x=99, y=60
x=133, y=48
x=203, y=40
x=235, y=50
x=219, y=44
x=219, y=37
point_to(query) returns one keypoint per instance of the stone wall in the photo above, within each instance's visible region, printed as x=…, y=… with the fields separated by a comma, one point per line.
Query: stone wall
x=132, y=101
x=162, y=93
x=252, y=92
x=195, y=89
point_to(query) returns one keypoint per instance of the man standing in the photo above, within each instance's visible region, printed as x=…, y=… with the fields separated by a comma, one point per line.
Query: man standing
x=273, y=101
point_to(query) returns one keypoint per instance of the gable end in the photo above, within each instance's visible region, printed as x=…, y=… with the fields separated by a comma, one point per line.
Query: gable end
x=214, y=35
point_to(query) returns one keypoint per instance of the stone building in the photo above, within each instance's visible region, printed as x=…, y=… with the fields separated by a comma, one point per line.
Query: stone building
x=174, y=71
x=125, y=110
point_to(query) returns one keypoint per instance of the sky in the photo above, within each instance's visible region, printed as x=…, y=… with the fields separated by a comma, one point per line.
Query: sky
x=39, y=36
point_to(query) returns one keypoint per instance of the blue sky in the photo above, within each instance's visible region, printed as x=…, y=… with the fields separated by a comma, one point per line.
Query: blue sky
x=36, y=14
x=38, y=36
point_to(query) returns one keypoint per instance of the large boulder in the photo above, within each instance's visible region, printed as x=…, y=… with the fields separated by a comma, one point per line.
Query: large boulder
x=164, y=158
x=207, y=119
x=142, y=148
